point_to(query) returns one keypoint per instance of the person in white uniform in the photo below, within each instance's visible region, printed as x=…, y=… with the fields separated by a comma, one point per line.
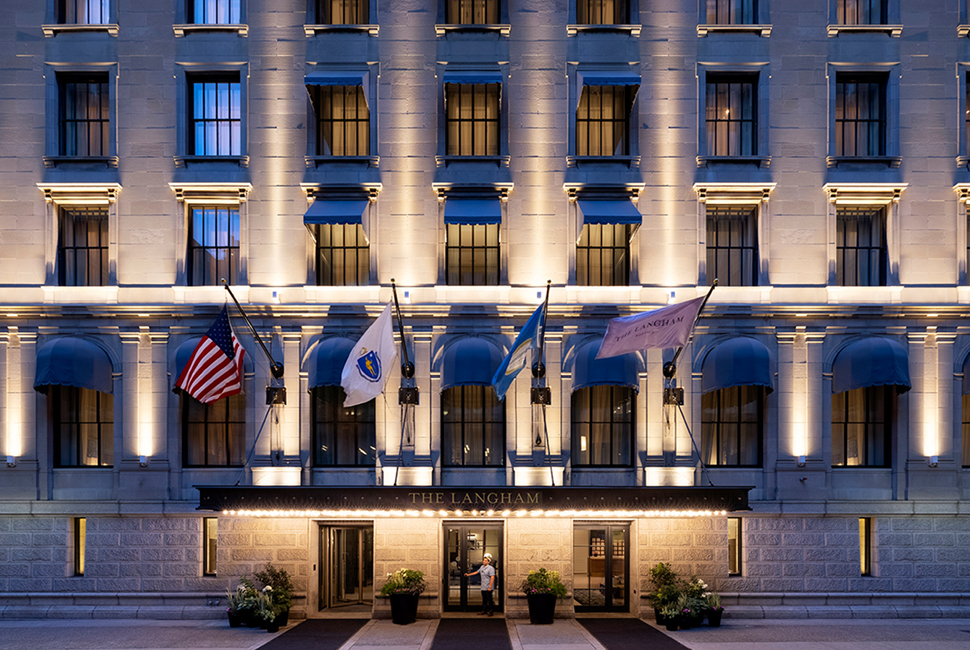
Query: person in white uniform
x=487, y=572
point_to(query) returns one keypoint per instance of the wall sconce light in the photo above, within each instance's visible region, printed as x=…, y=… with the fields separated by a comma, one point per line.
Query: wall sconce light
x=276, y=297
x=801, y=461
x=933, y=461
x=11, y=461
x=407, y=298
x=143, y=461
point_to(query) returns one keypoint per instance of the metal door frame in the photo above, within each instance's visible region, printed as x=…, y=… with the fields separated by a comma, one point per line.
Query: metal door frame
x=328, y=562
x=608, y=586
x=463, y=567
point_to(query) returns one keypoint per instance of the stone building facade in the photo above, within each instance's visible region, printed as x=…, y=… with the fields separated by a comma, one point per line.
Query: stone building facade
x=811, y=158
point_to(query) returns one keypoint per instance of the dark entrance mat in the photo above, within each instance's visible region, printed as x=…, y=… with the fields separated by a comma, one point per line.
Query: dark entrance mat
x=472, y=634
x=317, y=633
x=628, y=634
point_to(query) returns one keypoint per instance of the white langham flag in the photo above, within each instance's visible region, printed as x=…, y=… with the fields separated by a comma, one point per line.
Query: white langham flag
x=667, y=327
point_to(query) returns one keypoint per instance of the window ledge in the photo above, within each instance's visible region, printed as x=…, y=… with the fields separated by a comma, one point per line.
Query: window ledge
x=963, y=162
x=963, y=30
x=762, y=30
x=892, y=30
x=181, y=30
x=185, y=161
x=633, y=162
x=634, y=30
x=761, y=161
x=502, y=30
x=313, y=30
x=892, y=162
x=53, y=161
x=498, y=161
x=313, y=162
x=53, y=30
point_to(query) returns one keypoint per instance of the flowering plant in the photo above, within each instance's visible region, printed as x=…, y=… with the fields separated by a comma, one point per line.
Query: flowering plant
x=544, y=582
x=696, y=588
x=404, y=581
x=713, y=601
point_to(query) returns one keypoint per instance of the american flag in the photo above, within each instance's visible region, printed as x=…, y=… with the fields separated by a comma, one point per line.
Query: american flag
x=215, y=368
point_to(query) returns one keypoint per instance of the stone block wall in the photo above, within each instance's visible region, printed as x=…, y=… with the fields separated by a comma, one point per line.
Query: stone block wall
x=410, y=543
x=535, y=543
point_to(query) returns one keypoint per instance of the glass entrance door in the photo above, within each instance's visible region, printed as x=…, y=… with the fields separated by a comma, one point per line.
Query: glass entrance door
x=601, y=567
x=465, y=547
x=347, y=580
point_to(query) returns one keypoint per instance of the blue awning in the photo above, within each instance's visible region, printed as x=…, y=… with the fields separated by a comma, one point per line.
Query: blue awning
x=326, y=361
x=616, y=211
x=74, y=362
x=737, y=362
x=325, y=211
x=871, y=362
x=966, y=377
x=473, y=211
x=613, y=78
x=182, y=355
x=615, y=371
x=469, y=362
x=334, y=79
x=473, y=77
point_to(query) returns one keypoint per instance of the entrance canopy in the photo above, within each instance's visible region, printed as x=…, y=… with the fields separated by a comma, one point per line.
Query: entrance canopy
x=417, y=501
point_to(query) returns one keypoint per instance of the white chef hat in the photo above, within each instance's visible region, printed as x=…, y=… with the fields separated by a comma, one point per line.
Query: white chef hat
x=488, y=555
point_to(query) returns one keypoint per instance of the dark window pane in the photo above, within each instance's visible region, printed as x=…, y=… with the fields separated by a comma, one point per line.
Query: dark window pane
x=342, y=435
x=603, y=425
x=213, y=253
x=861, y=427
x=732, y=426
x=472, y=254
x=602, y=120
x=603, y=255
x=862, y=256
x=214, y=115
x=732, y=245
x=731, y=115
x=472, y=119
x=214, y=435
x=473, y=427
x=83, y=427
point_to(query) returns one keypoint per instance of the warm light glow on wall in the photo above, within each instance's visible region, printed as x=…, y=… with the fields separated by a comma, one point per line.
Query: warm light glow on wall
x=931, y=398
x=13, y=444
x=673, y=476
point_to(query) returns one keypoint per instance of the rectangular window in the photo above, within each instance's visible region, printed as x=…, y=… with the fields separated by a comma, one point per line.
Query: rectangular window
x=84, y=115
x=966, y=431
x=472, y=427
x=343, y=12
x=343, y=120
x=603, y=120
x=732, y=421
x=210, y=535
x=602, y=12
x=731, y=115
x=472, y=12
x=603, y=255
x=213, y=246
x=734, y=546
x=865, y=546
x=342, y=436
x=732, y=246
x=343, y=255
x=862, y=12
x=862, y=427
x=732, y=12
x=472, y=119
x=861, y=248
x=472, y=254
x=215, y=121
x=603, y=422
x=82, y=247
x=80, y=543
x=213, y=12
x=214, y=434
x=83, y=427
x=860, y=115
x=83, y=12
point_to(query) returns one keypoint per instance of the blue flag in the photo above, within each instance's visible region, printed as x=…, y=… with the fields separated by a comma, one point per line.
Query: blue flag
x=517, y=357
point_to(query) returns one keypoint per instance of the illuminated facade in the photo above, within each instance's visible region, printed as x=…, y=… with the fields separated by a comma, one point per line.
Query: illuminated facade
x=809, y=156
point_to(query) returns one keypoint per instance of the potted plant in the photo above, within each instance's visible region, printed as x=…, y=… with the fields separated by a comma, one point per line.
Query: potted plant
x=543, y=588
x=233, y=600
x=267, y=611
x=669, y=614
x=695, y=593
x=665, y=591
x=247, y=603
x=403, y=588
x=714, y=609
x=281, y=590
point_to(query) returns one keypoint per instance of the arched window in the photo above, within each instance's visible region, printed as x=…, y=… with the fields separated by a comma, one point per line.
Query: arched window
x=472, y=416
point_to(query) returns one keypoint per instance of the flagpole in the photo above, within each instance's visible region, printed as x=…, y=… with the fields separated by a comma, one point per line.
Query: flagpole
x=539, y=368
x=670, y=368
x=407, y=368
x=275, y=368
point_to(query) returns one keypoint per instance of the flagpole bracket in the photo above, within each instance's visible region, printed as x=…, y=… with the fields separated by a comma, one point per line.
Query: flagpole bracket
x=275, y=395
x=541, y=395
x=670, y=369
x=408, y=395
x=674, y=396
x=276, y=369
x=407, y=370
x=539, y=370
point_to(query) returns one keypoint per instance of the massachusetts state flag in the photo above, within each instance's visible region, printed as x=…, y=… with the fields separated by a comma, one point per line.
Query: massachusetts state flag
x=215, y=368
x=667, y=327
x=370, y=362
x=518, y=356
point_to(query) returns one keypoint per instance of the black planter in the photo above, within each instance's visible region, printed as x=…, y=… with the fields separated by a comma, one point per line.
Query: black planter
x=235, y=619
x=714, y=617
x=661, y=619
x=404, y=608
x=685, y=622
x=670, y=623
x=273, y=626
x=283, y=617
x=542, y=608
